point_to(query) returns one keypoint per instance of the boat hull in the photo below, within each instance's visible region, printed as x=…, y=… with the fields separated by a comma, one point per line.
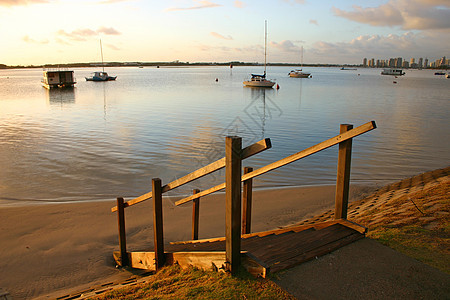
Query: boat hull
x=299, y=75
x=110, y=78
x=262, y=83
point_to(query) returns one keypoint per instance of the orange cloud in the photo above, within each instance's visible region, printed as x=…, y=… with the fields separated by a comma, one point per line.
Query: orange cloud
x=201, y=4
x=219, y=36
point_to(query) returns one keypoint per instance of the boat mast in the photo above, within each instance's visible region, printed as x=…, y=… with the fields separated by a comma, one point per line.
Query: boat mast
x=265, y=46
x=101, y=51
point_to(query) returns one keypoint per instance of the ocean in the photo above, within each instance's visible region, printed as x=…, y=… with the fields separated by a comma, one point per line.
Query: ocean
x=102, y=140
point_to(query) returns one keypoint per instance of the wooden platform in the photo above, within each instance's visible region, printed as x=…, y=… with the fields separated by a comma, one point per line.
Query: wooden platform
x=262, y=252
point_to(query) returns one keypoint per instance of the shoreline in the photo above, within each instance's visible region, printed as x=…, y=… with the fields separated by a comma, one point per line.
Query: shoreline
x=57, y=249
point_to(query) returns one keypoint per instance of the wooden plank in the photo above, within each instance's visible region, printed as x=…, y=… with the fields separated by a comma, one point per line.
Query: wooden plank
x=122, y=234
x=233, y=169
x=343, y=175
x=158, y=232
x=314, y=149
x=195, y=215
x=247, y=203
x=287, y=160
x=212, y=167
x=214, y=260
x=139, y=260
x=319, y=238
x=254, y=266
x=317, y=252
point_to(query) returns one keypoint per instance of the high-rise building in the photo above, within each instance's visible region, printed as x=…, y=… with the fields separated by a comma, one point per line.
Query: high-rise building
x=425, y=63
x=420, y=64
x=365, y=62
x=399, y=62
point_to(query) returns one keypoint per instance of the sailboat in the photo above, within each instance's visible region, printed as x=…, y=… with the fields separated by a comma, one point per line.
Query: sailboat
x=101, y=76
x=260, y=80
x=299, y=73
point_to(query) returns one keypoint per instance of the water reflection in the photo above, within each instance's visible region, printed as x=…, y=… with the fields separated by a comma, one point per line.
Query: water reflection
x=61, y=96
x=262, y=108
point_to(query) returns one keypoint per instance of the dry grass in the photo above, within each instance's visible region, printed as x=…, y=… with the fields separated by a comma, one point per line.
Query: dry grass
x=172, y=282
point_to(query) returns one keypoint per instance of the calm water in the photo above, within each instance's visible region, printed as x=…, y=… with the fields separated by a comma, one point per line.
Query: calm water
x=102, y=140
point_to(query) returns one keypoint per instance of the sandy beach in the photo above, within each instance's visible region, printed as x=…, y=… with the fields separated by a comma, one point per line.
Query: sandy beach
x=56, y=249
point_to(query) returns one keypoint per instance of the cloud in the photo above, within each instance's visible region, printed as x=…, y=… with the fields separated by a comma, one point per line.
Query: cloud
x=21, y=2
x=83, y=34
x=285, y=46
x=219, y=36
x=108, y=31
x=239, y=4
x=406, y=45
x=113, y=1
x=201, y=4
x=407, y=14
x=27, y=39
x=313, y=22
x=295, y=1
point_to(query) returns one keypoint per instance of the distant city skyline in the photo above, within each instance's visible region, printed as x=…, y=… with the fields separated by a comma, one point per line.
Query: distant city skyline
x=400, y=62
x=36, y=32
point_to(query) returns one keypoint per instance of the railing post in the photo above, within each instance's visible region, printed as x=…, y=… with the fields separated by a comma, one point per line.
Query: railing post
x=247, y=203
x=195, y=215
x=343, y=175
x=158, y=223
x=233, y=166
x=122, y=234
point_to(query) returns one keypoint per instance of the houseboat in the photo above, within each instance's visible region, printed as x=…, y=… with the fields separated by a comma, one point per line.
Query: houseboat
x=58, y=79
x=395, y=72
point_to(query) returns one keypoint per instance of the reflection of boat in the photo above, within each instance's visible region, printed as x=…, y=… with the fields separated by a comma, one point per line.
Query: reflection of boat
x=396, y=72
x=58, y=79
x=439, y=73
x=61, y=96
x=101, y=76
x=260, y=80
x=299, y=72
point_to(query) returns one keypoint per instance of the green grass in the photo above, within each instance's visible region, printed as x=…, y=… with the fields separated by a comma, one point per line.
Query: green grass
x=172, y=282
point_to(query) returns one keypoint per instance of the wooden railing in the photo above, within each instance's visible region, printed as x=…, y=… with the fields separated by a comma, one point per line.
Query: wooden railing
x=233, y=178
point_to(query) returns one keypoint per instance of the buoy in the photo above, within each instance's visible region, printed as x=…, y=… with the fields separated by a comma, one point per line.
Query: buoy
x=217, y=79
x=395, y=81
x=278, y=87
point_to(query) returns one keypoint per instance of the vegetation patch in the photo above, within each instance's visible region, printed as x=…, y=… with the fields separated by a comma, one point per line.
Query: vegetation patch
x=416, y=224
x=173, y=282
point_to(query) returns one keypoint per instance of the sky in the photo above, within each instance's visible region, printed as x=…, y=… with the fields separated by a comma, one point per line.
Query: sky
x=35, y=32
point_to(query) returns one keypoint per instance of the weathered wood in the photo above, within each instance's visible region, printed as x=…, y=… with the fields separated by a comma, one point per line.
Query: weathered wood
x=233, y=169
x=195, y=215
x=311, y=150
x=247, y=203
x=299, y=155
x=253, y=265
x=139, y=260
x=158, y=233
x=319, y=251
x=212, y=167
x=122, y=234
x=343, y=175
x=212, y=260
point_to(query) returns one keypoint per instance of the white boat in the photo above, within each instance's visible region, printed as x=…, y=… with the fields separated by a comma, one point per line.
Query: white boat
x=100, y=76
x=58, y=79
x=260, y=80
x=395, y=72
x=299, y=72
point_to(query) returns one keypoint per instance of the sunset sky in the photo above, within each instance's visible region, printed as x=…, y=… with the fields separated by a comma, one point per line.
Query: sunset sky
x=63, y=31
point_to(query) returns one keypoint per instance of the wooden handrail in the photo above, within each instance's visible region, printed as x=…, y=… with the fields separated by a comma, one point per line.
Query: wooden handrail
x=212, y=167
x=287, y=160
